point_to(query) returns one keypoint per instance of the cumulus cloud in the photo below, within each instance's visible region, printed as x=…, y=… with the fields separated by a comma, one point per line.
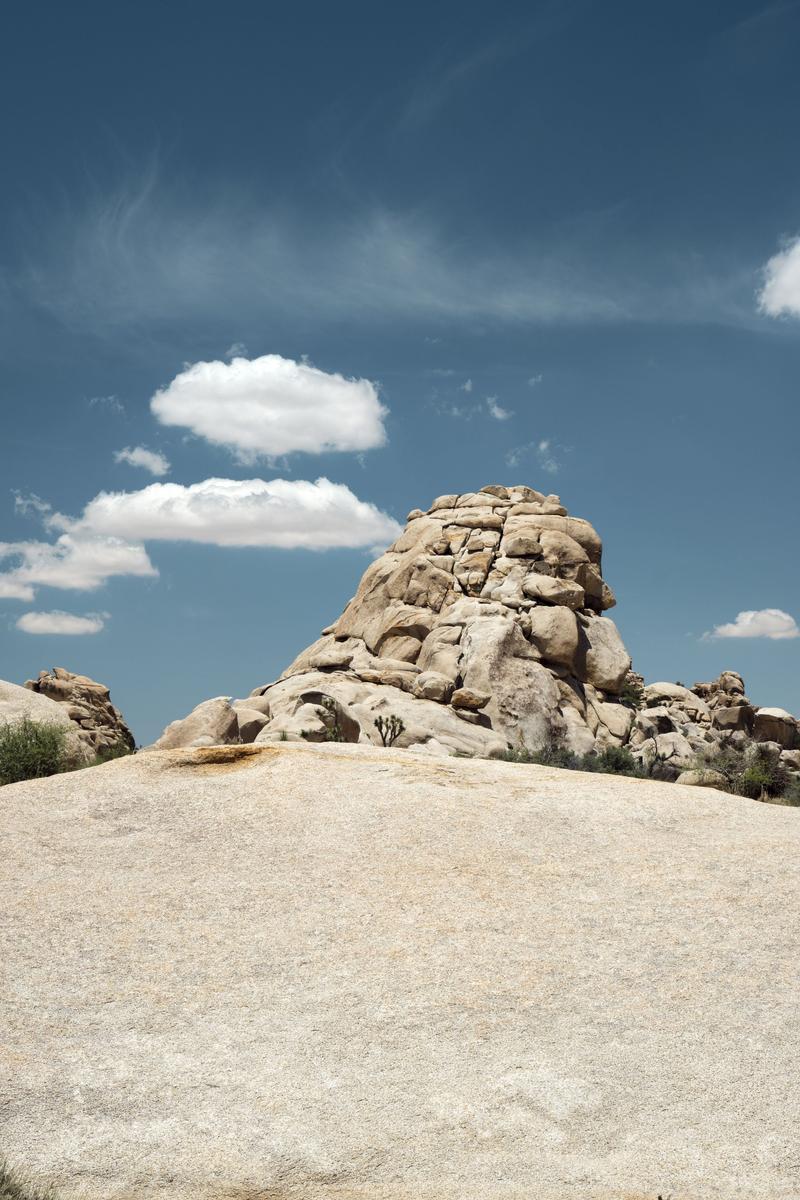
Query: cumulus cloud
x=79, y=561
x=139, y=456
x=780, y=293
x=772, y=623
x=239, y=512
x=269, y=406
x=496, y=410
x=466, y=386
x=57, y=622
x=534, y=380
x=107, y=539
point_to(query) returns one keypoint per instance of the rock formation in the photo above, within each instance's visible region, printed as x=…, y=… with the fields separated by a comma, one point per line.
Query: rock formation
x=676, y=726
x=480, y=629
x=99, y=725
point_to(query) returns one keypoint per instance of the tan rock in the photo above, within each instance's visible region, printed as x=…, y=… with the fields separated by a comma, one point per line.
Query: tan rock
x=465, y=698
x=212, y=723
x=553, y=590
x=602, y=658
x=554, y=631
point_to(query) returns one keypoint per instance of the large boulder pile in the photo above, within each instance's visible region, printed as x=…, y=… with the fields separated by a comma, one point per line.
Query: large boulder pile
x=480, y=629
x=678, y=727
x=98, y=724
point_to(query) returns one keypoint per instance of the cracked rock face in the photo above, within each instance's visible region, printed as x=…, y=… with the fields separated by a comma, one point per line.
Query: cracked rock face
x=481, y=628
x=98, y=724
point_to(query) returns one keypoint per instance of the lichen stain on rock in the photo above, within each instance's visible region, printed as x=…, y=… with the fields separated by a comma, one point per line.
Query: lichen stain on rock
x=214, y=758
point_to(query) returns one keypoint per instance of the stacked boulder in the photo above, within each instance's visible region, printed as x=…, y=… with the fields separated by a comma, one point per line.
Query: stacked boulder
x=98, y=724
x=677, y=727
x=480, y=630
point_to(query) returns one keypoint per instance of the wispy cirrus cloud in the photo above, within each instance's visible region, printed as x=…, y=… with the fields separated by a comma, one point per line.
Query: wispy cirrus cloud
x=144, y=257
x=543, y=452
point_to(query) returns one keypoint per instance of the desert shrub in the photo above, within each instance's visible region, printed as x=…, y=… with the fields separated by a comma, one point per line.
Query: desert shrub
x=756, y=773
x=14, y=1187
x=764, y=775
x=551, y=755
x=614, y=760
x=31, y=750
x=790, y=794
x=389, y=728
x=120, y=750
x=617, y=760
x=632, y=694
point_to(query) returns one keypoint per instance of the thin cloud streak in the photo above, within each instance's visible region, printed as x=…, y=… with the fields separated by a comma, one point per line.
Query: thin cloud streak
x=144, y=258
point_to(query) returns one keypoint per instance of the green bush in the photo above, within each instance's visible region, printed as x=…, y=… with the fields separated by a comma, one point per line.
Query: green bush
x=14, y=1187
x=121, y=750
x=31, y=750
x=614, y=760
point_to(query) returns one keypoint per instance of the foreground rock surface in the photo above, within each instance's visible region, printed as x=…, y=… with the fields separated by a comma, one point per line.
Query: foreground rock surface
x=336, y=971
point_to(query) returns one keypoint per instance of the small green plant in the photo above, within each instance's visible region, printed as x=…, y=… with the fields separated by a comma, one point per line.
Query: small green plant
x=120, y=750
x=331, y=720
x=632, y=694
x=31, y=750
x=389, y=728
x=14, y=1187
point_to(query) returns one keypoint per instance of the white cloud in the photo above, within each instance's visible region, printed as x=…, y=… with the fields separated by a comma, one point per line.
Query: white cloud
x=139, y=456
x=271, y=405
x=238, y=512
x=57, y=622
x=534, y=380
x=466, y=386
x=772, y=623
x=496, y=410
x=780, y=294
x=75, y=561
x=236, y=350
x=30, y=505
x=543, y=451
x=15, y=589
x=109, y=403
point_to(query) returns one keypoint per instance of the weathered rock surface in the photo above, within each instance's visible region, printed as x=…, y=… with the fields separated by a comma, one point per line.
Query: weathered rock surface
x=496, y=594
x=88, y=705
x=17, y=703
x=340, y=972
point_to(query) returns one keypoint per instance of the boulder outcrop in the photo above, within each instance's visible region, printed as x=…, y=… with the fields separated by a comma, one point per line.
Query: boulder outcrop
x=480, y=629
x=98, y=724
x=677, y=729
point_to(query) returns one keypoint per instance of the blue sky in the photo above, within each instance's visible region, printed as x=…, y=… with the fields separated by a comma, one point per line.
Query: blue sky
x=419, y=249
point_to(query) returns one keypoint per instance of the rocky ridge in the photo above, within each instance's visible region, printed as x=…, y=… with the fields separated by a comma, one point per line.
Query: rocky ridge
x=676, y=726
x=98, y=724
x=481, y=629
